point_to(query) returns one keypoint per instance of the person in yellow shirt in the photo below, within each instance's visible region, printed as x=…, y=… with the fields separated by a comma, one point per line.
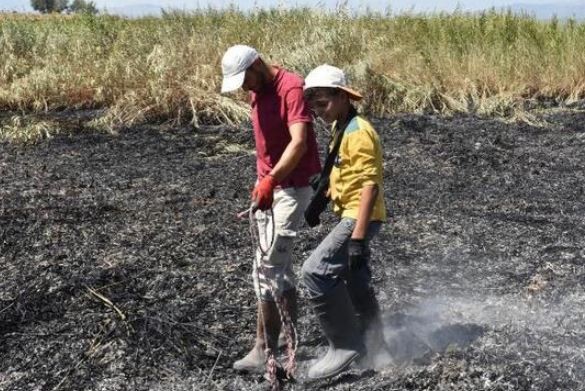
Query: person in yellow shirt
x=337, y=274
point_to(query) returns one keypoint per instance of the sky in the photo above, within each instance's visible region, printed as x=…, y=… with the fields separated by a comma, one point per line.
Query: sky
x=378, y=5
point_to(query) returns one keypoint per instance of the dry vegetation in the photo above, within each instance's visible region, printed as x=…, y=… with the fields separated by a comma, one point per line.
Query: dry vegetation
x=167, y=69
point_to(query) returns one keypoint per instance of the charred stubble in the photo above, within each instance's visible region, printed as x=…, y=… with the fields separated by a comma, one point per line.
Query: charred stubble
x=123, y=266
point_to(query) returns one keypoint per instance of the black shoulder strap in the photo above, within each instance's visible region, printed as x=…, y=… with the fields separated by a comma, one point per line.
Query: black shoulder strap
x=332, y=155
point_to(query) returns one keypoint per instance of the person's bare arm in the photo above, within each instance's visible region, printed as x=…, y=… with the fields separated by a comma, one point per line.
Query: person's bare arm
x=367, y=201
x=293, y=152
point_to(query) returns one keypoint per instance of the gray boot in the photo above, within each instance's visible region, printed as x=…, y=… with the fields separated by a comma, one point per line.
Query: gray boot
x=338, y=321
x=255, y=360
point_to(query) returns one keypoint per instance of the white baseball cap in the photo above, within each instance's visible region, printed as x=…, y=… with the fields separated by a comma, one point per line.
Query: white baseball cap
x=332, y=77
x=234, y=63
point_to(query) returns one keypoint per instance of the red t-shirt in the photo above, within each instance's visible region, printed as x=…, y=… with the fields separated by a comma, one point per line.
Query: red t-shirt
x=279, y=105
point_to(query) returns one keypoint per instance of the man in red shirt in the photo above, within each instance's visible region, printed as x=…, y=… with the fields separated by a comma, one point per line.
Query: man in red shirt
x=286, y=158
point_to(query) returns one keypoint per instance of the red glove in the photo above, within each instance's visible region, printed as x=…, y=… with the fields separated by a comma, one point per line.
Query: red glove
x=262, y=193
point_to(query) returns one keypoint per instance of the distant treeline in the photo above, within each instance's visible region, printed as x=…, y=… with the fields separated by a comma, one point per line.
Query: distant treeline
x=168, y=69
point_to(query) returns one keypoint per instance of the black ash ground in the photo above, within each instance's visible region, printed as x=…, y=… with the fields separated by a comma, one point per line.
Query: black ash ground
x=123, y=266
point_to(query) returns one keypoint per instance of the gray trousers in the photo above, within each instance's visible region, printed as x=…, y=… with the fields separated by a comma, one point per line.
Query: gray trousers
x=328, y=264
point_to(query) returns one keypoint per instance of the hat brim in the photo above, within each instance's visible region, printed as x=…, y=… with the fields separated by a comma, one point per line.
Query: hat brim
x=353, y=94
x=233, y=82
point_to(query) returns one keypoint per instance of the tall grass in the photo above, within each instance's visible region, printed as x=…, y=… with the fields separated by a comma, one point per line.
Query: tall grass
x=168, y=69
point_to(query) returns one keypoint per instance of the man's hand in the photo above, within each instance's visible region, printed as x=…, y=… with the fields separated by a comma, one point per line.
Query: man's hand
x=356, y=252
x=262, y=193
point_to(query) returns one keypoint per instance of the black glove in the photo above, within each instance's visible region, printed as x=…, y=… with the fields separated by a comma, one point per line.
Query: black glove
x=357, y=254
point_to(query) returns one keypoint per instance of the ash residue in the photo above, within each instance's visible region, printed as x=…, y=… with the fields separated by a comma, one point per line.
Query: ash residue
x=123, y=267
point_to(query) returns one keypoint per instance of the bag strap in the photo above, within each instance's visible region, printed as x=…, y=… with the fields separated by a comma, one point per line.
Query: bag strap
x=332, y=155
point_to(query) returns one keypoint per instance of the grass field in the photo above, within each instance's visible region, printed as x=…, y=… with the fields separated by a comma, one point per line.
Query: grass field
x=167, y=69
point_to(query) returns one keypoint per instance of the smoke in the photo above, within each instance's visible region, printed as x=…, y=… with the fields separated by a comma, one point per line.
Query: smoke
x=443, y=323
x=421, y=331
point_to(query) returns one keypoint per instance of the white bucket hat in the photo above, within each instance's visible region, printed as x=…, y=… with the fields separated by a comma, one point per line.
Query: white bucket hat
x=332, y=77
x=234, y=63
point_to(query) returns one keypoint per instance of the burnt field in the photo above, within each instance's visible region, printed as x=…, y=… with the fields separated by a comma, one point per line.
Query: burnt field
x=123, y=266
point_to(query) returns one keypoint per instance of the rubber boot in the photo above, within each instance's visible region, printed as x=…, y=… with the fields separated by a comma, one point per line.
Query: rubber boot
x=269, y=319
x=338, y=321
x=291, y=307
x=370, y=326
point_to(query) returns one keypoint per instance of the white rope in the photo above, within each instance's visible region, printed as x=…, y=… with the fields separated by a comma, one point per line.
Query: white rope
x=256, y=235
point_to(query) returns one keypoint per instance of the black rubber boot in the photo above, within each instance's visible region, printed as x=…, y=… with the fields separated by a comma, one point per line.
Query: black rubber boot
x=338, y=321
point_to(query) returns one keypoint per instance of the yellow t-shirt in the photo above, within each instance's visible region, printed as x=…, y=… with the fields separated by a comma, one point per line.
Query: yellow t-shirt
x=359, y=163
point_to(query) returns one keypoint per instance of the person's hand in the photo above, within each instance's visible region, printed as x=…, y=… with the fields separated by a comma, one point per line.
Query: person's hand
x=356, y=252
x=262, y=193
